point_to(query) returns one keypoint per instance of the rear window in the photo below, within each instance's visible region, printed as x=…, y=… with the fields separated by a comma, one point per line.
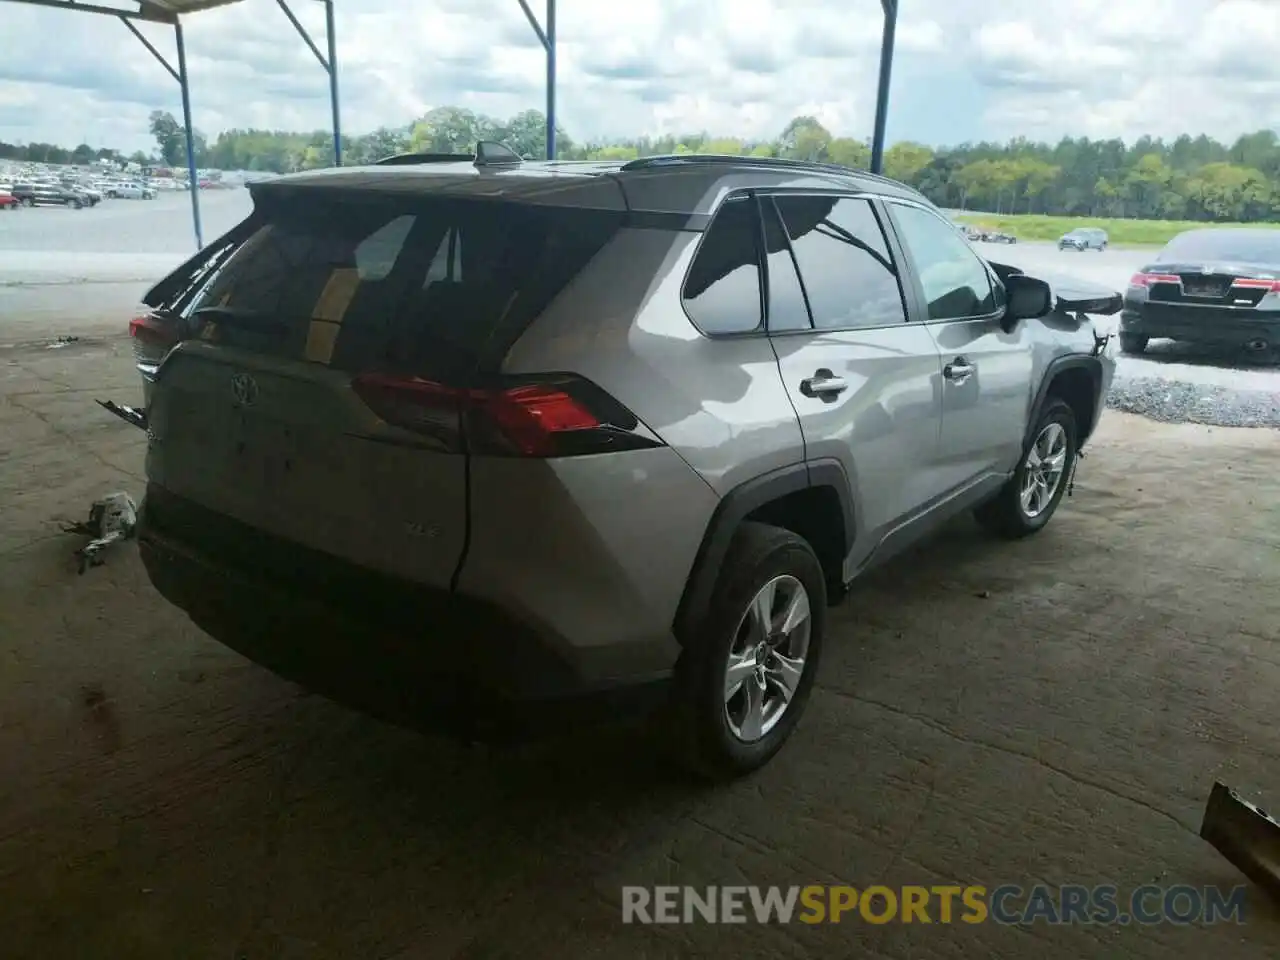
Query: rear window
x=432, y=286
x=722, y=290
x=1231, y=246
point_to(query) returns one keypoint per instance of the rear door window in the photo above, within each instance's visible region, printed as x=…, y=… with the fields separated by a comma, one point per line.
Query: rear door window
x=849, y=276
x=722, y=290
x=432, y=286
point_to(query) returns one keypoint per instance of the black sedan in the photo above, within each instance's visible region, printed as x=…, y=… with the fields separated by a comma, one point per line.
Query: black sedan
x=1216, y=287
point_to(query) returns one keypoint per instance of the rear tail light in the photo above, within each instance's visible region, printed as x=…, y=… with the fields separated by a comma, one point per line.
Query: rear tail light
x=153, y=337
x=1271, y=286
x=1147, y=279
x=547, y=417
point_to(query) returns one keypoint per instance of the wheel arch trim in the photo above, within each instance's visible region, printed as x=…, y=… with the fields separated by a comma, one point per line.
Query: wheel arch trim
x=1055, y=367
x=739, y=503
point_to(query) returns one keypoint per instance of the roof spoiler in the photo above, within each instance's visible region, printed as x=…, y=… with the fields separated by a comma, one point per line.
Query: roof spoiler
x=489, y=153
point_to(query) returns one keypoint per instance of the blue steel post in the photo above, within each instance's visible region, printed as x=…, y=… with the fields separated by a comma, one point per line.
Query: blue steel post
x=332, y=67
x=551, y=79
x=882, y=92
x=184, y=83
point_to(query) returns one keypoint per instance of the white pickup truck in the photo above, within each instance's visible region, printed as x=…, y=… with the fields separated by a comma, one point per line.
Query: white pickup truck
x=132, y=191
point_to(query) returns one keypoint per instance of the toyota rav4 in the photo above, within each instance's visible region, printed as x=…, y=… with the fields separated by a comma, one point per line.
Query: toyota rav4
x=519, y=438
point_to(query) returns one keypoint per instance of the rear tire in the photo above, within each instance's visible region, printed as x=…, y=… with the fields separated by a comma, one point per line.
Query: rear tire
x=719, y=733
x=1029, y=499
x=1133, y=343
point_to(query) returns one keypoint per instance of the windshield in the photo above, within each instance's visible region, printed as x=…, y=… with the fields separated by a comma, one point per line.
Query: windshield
x=1233, y=246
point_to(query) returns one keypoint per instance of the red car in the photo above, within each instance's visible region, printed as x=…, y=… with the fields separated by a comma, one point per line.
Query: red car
x=8, y=201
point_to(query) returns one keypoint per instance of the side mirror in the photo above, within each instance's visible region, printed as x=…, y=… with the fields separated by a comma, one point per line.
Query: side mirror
x=1028, y=299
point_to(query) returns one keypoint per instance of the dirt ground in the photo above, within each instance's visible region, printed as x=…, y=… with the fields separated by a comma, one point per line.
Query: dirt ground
x=1053, y=711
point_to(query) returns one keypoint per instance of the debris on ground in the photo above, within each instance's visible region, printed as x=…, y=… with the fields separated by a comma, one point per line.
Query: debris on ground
x=1246, y=835
x=128, y=414
x=112, y=519
x=61, y=342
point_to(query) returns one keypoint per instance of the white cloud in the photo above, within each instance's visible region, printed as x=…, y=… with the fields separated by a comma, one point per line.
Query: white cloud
x=967, y=69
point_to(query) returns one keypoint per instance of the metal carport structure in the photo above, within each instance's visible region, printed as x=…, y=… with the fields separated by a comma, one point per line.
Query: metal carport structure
x=170, y=12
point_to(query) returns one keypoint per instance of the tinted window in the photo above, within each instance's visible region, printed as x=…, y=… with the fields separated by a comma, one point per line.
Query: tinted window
x=1261, y=246
x=722, y=291
x=787, y=308
x=955, y=281
x=359, y=285
x=848, y=274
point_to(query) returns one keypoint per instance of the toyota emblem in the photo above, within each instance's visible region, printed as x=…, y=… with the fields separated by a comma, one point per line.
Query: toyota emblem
x=244, y=389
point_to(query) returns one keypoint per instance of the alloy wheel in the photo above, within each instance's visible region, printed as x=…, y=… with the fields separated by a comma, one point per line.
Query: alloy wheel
x=767, y=658
x=1043, y=469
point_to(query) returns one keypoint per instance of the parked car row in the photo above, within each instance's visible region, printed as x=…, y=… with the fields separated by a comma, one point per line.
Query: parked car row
x=1079, y=239
x=48, y=193
x=981, y=235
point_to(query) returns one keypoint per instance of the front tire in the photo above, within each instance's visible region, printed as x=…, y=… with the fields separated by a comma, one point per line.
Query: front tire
x=747, y=670
x=1133, y=343
x=1030, y=498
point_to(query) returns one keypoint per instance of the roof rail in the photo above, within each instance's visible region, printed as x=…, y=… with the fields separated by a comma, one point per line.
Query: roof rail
x=405, y=159
x=768, y=163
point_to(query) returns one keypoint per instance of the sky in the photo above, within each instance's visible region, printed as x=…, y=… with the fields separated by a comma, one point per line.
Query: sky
x=965, y=69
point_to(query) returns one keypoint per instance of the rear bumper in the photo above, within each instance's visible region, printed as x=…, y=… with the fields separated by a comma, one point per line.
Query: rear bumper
x=406, y=653
x=1199, y=324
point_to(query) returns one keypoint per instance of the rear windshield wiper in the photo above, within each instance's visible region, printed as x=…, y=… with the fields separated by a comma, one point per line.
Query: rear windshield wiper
x=254, y=320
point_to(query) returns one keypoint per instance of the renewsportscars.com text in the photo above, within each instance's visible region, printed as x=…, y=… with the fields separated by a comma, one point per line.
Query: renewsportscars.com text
x=1007, y=904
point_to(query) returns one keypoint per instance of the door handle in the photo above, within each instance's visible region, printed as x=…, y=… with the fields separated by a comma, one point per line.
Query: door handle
x=823, y=384
x=958, y=370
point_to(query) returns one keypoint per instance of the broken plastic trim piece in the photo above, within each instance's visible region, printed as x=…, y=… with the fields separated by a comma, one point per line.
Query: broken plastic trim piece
x=112, y=520
x=128, y=414
x=1105, y=305
x=1246, y=835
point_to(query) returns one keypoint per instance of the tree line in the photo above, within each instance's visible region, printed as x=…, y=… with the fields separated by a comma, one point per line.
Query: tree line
x=1187, y=178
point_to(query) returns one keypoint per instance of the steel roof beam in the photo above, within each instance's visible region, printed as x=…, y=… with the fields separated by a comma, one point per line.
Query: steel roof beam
x=546, y=34
x=890, y=8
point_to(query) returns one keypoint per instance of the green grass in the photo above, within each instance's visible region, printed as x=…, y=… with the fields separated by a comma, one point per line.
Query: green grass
x=1120, y=232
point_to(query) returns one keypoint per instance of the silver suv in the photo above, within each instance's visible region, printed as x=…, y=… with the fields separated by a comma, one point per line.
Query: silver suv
x=491, y=441
x=1084, y=238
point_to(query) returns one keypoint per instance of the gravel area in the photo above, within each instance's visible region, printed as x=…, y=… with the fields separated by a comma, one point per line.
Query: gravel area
x=1174, y=401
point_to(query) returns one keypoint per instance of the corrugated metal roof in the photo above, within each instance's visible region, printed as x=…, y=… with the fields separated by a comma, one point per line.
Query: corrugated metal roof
x=183, y=7
x=160, y=11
